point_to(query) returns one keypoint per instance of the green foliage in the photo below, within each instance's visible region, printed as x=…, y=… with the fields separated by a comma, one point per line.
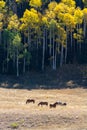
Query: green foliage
x=2, y=4
x=14, y=125
x=85, y=2
x=27, y=56
x=17, y=41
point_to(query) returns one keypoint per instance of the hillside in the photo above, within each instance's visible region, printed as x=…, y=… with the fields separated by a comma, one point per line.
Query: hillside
x=67, y=76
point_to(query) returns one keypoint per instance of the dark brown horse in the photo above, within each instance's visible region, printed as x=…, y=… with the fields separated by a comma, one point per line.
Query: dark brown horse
x=53, y=105
x=42, y=103
x=58, y=103
x=30, y=100
x=64, y=104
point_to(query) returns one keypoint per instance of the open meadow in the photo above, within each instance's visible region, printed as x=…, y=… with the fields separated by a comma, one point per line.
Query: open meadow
x=16, y=114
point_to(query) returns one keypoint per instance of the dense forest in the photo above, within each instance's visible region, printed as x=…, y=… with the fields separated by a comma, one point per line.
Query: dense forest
x=36, y=34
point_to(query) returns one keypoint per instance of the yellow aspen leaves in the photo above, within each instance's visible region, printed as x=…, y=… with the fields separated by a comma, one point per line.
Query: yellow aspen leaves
x=78, y=15
x=69, y=20
x=29, y=19
x=52, y=5
x=70, y=3
x=1, y=25
x=35, y=3
x=2, y=4
x=85, y=14
x=44, y=20
x=13, y=22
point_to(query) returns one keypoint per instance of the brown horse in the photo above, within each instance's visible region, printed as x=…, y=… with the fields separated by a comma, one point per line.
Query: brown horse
x=58, y=103
x=64, y=104
x=30, y=100
x=53, y=105
x=43, y=103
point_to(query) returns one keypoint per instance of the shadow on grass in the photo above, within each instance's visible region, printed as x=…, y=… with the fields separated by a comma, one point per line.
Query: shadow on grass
x=67, y=76
x=41, y=81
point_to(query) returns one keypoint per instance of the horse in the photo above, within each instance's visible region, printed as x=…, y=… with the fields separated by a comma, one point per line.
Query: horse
x=43, y=103
x=58, y=103
x=64, y=104
x=30, y=100
x=53, y=105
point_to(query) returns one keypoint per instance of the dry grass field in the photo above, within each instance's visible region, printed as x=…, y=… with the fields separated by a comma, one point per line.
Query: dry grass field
x=16, y=114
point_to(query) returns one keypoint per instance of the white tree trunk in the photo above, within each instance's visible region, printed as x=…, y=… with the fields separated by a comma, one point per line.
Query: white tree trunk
x=84, y=28
x=17, y=64
x=28, y=37
x=66, y=48
x=24, y=66
x=50, y=43
x=43, y=55
x=46, y=40
x=53, y=51
x=71, y=39
x=61, y=57
x=14, y=59
x=0, y=37
x=55, y=60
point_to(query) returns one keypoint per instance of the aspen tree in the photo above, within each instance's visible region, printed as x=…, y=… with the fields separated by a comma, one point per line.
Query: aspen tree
x=70, y=25
x=2, y=6
x=84, y=21
x=17, y=45
x=30, y=21
x=13, y=25
x=52, y=26
x=44, y=26
x=78, y=15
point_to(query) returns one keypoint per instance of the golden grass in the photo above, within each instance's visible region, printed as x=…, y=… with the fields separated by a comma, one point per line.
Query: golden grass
x=70, y=117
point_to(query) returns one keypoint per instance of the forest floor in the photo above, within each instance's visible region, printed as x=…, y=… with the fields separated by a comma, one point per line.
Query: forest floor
x=68, y=76
x=16, y=114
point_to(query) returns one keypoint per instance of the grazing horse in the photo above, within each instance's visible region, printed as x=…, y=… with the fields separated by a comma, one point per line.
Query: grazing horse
x=64, y=104
x=53, y=105
x=43, y=103
x=30, y=100
x=58, y=103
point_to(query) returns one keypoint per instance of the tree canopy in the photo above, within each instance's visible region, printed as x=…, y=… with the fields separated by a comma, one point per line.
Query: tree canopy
x=35, y=34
